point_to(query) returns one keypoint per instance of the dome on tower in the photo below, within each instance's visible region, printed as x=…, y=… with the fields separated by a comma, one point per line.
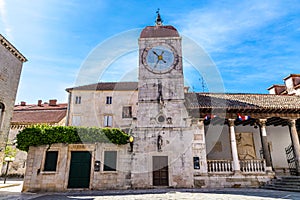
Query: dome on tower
x=159, y=31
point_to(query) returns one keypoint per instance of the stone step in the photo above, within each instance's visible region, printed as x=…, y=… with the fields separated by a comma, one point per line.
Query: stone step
x=290, y=178
x=281, y=188
x=287, y=180
x=285, y=183
x=285, y=186
x=289, y=183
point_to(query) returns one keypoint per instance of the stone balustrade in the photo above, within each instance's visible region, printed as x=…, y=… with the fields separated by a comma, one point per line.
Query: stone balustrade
x=219, y=166
x=247, y=166
x=253, y=166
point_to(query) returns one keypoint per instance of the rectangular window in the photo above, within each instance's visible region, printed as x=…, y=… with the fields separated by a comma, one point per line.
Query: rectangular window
x=196, y=163
x=110, y=161
x=51, y=161
x=108, y=100
x=78, y=100
x=127, y=112
x=108, y=121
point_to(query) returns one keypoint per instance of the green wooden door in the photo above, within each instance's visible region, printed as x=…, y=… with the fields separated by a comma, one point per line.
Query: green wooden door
x=80, y=169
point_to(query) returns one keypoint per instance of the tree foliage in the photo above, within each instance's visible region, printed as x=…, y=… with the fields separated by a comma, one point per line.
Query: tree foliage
x=43, y=134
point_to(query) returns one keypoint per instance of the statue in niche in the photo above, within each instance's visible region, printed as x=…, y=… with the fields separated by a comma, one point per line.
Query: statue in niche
x=159, y=142
x=245, y=145
x=160, y=98
x=169, y=120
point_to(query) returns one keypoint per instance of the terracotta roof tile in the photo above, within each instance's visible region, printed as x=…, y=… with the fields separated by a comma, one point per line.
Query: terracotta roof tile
x=44, y=106
x=38, y=117
x=159, y=31
x=117, y=86
x=34, y=114
x=249, y=101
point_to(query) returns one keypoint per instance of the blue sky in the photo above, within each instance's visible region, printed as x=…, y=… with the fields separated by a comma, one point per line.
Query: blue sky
x=253, y=44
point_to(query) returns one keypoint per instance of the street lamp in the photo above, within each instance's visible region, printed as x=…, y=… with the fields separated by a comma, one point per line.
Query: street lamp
x=8, y=160
x=131, y=139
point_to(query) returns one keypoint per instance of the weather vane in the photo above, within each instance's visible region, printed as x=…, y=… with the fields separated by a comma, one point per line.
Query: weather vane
x=158, y=20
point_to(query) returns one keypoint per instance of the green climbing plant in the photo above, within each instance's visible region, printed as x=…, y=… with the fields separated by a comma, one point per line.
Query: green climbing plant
x=44, y=134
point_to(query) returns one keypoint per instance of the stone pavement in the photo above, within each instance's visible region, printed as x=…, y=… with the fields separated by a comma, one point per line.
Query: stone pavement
x=12, y=191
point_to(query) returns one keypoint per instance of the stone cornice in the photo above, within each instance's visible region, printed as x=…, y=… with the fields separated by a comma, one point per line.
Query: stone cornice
x=4, y=42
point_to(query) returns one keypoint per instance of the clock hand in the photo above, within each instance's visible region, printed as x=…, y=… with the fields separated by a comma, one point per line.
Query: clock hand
x=163, y=60
x=155, y=53
x=156, y=63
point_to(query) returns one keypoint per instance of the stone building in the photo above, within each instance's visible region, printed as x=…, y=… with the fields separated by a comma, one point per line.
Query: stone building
x=25, y=115
x=11, y=63
x=291, y=86
x=181, y=139
x=105, y=100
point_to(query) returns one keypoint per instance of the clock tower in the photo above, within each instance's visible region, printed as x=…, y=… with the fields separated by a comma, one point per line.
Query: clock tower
x=162, y=152
x=161, y=83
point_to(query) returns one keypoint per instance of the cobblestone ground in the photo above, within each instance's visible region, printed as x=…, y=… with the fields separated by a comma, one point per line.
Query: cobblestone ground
x=13, y=193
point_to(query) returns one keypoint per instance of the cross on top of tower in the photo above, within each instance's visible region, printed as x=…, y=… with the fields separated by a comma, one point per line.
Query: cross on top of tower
x=158, y=20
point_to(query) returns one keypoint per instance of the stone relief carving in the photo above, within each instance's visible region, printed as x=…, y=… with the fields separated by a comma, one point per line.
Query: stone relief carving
x=245, y=146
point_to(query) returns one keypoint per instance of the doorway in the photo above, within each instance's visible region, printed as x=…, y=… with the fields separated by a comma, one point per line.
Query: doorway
x=80, y=169
x=160, y=171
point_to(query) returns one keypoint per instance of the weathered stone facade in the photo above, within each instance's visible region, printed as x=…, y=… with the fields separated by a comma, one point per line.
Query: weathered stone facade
x=37, y=178
x=119, y=95
x=11, y=62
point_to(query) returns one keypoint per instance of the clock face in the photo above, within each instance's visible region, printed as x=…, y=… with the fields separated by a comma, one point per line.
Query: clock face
x=160, y=59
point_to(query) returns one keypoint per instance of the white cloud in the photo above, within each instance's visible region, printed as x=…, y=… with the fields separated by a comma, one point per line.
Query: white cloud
x=254, y=41
x=221, y=25
x=3, y=17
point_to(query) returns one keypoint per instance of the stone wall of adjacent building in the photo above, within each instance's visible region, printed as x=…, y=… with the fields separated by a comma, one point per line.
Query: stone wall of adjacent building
x=36, y=179
x=10, y=71
x=291, y=86
x=92, y=109
x=18, y=166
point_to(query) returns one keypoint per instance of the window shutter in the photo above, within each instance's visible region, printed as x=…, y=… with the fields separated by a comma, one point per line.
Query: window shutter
x=110, y=161
x=110, y=121
x=51, y=161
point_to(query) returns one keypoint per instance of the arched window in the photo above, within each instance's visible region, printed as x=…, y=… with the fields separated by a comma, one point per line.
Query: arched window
x=2, y=107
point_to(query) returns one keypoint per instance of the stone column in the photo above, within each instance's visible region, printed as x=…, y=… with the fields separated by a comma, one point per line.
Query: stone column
x=264, y=143
x=234, y=152
x=295, y=142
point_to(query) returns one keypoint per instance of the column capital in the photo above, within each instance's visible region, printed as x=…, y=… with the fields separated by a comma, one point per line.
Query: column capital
x=231, y=122
x=292, y=122
x=200, y=122
x=262, y=122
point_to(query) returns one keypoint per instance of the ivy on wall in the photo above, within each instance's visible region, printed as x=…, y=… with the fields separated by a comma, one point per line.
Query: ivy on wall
x=43, y=134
